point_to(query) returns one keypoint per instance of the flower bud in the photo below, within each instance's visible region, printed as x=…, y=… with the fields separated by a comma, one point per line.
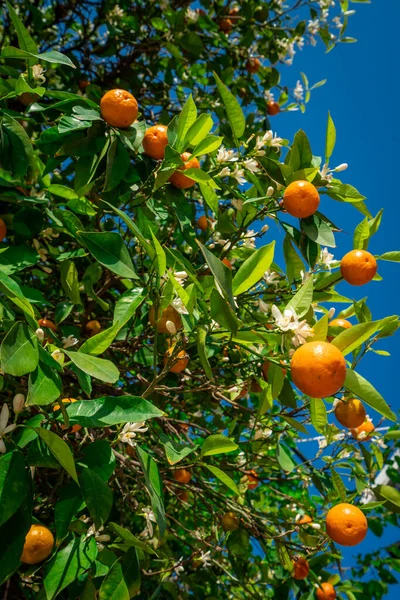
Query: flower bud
x=270, y=191
x=170, y=325
x=341, y=167
x=40, y=334
x=331, y=312
x=58, y=356
x=264, y=228
x=18, y=403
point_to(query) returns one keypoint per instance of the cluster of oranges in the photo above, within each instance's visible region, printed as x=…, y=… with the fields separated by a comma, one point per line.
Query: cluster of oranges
x=120, y=109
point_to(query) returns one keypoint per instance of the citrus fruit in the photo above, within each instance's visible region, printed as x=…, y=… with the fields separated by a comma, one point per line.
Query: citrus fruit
x=358, y=267
x=346, y=524
x=326, y=591
x=83, y=84
x=47, y=324
x=342, y=323
x=225, y=25
x=182, y=475
x=301, y=568
x=318, y=369
x=304, y=520
x=227, y=263
x=350, y=413
x=154, y=141
x=93, y=327
x=27, y=98
x=301, y=199
x=169, y=314
x=39, y=542
x=252, y=480
x=183, y=495
x=204, y=223
x=76, y=427
x=178, y=179
x=229, y=521
x=273, y=108
x=119, y=108
x=3, y=230
x=361, y=432
x=180, y=361
x=252, y=65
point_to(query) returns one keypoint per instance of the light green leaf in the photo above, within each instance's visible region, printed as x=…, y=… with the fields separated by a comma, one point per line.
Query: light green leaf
x=161, y=259
x=221, y=273
x=318, y=414
x=51, y=57
x=95, y=367
x=350, y=339
x=330, y=138
x=97, y=344
x=19, y=351
x=127, y=305
x=44, y=386
x=224, y=478
x=185, y=120
x=201, y=350
x=284, y=459
x=361, y=235
x=25, y=41
x=320, y=329
x=154, y=486
x=360, y=387
x=390, y=256
x=253, y=269
x=69, y=281
x=301, y=301
x=217, y=444
x=173, y=451
x=233, y=110
x=198, y=131
x=133, y=228
x=60, y=450
x=209, y=196
x=338, y=484
x=122, y=582
x=207, y=145
x=130, y=539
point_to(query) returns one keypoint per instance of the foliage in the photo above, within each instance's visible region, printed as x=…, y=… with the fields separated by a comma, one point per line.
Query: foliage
x=96, y=234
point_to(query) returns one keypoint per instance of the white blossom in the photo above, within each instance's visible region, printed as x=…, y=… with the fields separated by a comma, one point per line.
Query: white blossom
x=179, y=306
x=338, y=23
x=269, y=139
x=225, y=172
x=270, y=276
x=238, y=174
x=251, y=165
x=37, y=72
x=180, y=277
x=286, y=320
x=58, y=356
x=322, y=443
x=298, y=92
x=305, y=276
x=326, y=258
x=248, y=238
x=269, y=96
x=263, y=306
x=301, y=333
x=130, y=431
x=225, y=155
x=4, y=427
x=178, y=569
x=68, y=342
x=205, y=558
x=313, y=27
x=325, y=173
x=191, y=15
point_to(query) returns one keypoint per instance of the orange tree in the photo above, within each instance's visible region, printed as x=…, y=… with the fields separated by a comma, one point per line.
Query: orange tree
x=159, y=367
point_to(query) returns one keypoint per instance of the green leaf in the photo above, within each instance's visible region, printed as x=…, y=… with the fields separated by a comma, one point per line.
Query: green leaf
x=361, y=235
x=97, y=495
x=233, y=110
x=69, y=503
x=207, y=145
x=209, y=196
x=301, y=301
x=44, y=386
x=14, y=293
x=224, y=478
x=118, y=163
x=294, y=264
x=217, y=444
x=102, y=369
x=123, y=580
x=133, y=228
x=109, y=249
x=222, y=312
x=25, y=41
x=19, y=350
x=318, y=414
x=173, y=451
x=69, y=281
x=130, y=539
x=284, y=459
x=330, y=138
x=338, y=484
x=390, y=256
x=60, y=450
x=13, y=532
x=360, y=387
x=110, y=410
x=14, y=484
x=320, y=329
x=68, y=565
x=317, y=230
x=350, y=339
x=201, y=350
x=63, y=191
x=221, y=273
x=100, y=458
x=161, y=259
x=51, y=57
x=198, y=131
x=300, y=156
x=127, y=305
x=185, y=120
x=393, y=435
x=97, y=344
x=154, y=486
x=252, y=270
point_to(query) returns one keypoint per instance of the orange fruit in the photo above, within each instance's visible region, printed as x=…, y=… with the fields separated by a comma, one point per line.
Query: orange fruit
x=229, y=521
x=252, y=480
x=339, y=323
x=74, y=428
x=326, y=591
x=304, y=520
x=119, y=108
x=27, y=98
x=154, y=141
x=93, y=327
x=346, y=524
x=83, y=84
x=225, y=25
x=168, y=314
x=183, y=495
x=252, y=65
x=350, y=413
x=204, y=223
x=301, y=199
x=318, y=369
x=180, y=361
x=39, y=542
x=3, y=230
x=47, y=324
x=301, y=568
x=227, y=263
x=182, y=476
x=361, y=433
x=358, y=267
x=178, y=179
x=273, y=108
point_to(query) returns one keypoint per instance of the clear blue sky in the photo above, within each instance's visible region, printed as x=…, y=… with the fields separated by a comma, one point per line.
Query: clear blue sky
x=360, y=95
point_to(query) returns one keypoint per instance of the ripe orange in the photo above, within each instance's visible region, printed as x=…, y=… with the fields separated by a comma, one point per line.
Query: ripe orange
x=229, y=521
x=181, y=360
x=346, y=524
x=252, y=65
x=154, y=141
x=339, y=323
x=178, y=179
x=358, y=267
x=204, y=223
x=39, y=542
x=93, y=327
x=304, y=520
x=227, y=263
x=168, y=314
x=326, y=591
x=273, y=108
x=46, y=323
x=318, y=369
x=301, y=199
x=74, y=428
x=361, y=433
x=3, y=230
x=350, y=413
x=301, y=568
x=182, y=476
x=252, y=480
x=225, y=25
x=119, y=108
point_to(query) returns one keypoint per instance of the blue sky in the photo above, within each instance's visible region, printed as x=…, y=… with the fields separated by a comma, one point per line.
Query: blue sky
x=359, y=94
